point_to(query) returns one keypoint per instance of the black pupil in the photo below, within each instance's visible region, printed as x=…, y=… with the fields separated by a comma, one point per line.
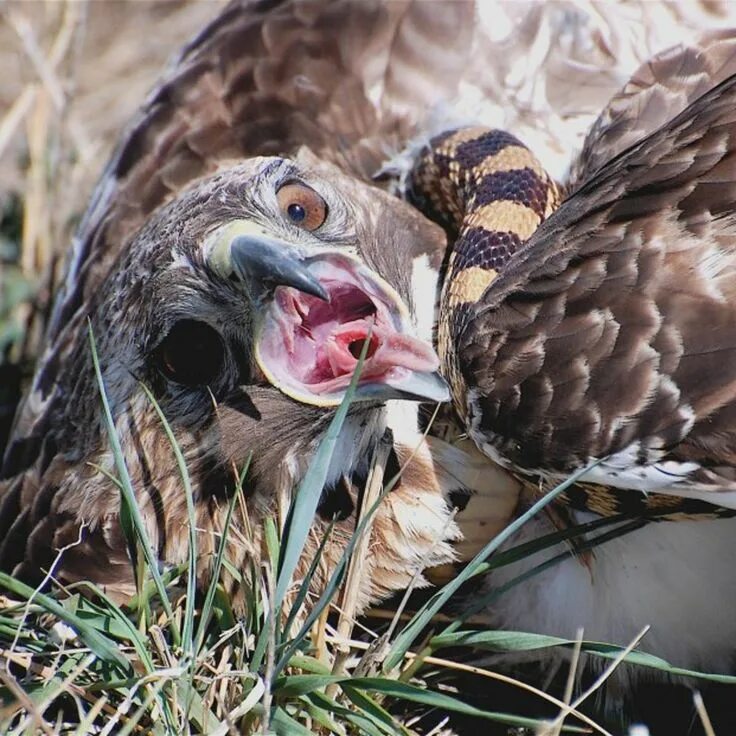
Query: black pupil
x=192, y=353
x=296, y=212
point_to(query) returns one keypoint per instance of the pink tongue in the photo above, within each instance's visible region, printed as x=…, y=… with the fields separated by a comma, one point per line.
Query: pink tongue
x=387, y=350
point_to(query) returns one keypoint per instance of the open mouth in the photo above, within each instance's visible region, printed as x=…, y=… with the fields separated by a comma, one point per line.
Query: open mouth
x=309, y=348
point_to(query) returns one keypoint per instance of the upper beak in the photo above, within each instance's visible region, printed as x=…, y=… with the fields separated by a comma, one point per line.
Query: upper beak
x=264, y=263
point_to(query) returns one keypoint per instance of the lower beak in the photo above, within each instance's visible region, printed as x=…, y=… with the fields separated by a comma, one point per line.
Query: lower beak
x=427, y=386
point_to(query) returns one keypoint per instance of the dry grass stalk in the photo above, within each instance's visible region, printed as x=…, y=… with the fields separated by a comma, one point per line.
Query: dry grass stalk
x=572, y=672
x=703, y=714
x=357, y=565
x=450, y=664
x=567, y=709
x=47, y=64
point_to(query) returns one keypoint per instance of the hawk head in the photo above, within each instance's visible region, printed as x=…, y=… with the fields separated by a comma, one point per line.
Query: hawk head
x=267, y=274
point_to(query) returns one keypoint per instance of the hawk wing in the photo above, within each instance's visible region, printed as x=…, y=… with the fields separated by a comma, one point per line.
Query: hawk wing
x=660, y=89
x=613, y=332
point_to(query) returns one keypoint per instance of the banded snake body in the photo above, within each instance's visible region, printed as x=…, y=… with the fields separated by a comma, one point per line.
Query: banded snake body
x=491, y=194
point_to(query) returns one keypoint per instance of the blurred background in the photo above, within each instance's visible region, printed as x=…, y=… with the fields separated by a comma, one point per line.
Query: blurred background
x=73, y=74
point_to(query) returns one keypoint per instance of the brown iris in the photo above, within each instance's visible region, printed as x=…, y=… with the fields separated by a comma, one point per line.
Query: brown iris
x=302, y=206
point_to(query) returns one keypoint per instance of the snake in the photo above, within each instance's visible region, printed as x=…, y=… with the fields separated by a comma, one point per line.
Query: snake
x=490, y=193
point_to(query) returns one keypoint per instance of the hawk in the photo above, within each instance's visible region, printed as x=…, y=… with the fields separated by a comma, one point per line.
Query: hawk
x=230, y=266
x=241, y=206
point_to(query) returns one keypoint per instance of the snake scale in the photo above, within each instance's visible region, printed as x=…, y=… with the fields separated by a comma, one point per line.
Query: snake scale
x=490, y=193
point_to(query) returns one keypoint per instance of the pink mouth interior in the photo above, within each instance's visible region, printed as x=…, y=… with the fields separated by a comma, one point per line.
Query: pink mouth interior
x=314, y=346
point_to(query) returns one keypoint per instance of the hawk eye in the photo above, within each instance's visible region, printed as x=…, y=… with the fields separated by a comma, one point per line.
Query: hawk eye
x=302, y=206
x=191, y=354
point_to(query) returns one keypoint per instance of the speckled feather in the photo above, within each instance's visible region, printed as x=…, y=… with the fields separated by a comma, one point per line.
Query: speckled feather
x=607, y=328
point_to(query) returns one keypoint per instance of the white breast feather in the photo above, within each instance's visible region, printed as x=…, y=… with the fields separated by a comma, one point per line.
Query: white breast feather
x=676, y=577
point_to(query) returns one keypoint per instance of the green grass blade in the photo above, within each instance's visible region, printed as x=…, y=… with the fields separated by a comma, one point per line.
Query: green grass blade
x=110, y=620
x=310, y=489
x=103, y=647
x=273, y=547
x=321, y=717
x=304, y=507
x=296, y=685
x=128, y=494
x=363, y=722
x=527, y=549
x=484, y=601
x=304, y=587
x=197, y=711
x=310, y=665
x=416, y=694
x=299, y=685
x=207, y=606
x=369, y=708
x=330, y=589
x=412, y=630
x=518, y=641
x=283, y=724
x=187, y=634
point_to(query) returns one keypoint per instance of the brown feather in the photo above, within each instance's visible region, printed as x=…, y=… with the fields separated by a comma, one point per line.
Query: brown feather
x=623, y=286
x=659, y=90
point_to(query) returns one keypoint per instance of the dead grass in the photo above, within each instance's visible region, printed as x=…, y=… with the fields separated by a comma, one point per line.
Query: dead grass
x=74, y=72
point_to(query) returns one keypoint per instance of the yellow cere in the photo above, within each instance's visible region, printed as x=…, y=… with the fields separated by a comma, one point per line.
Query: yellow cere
x=217, y=244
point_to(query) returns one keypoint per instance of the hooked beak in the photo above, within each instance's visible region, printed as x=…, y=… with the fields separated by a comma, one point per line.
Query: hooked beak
x=313, y=315
x=263, y=262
